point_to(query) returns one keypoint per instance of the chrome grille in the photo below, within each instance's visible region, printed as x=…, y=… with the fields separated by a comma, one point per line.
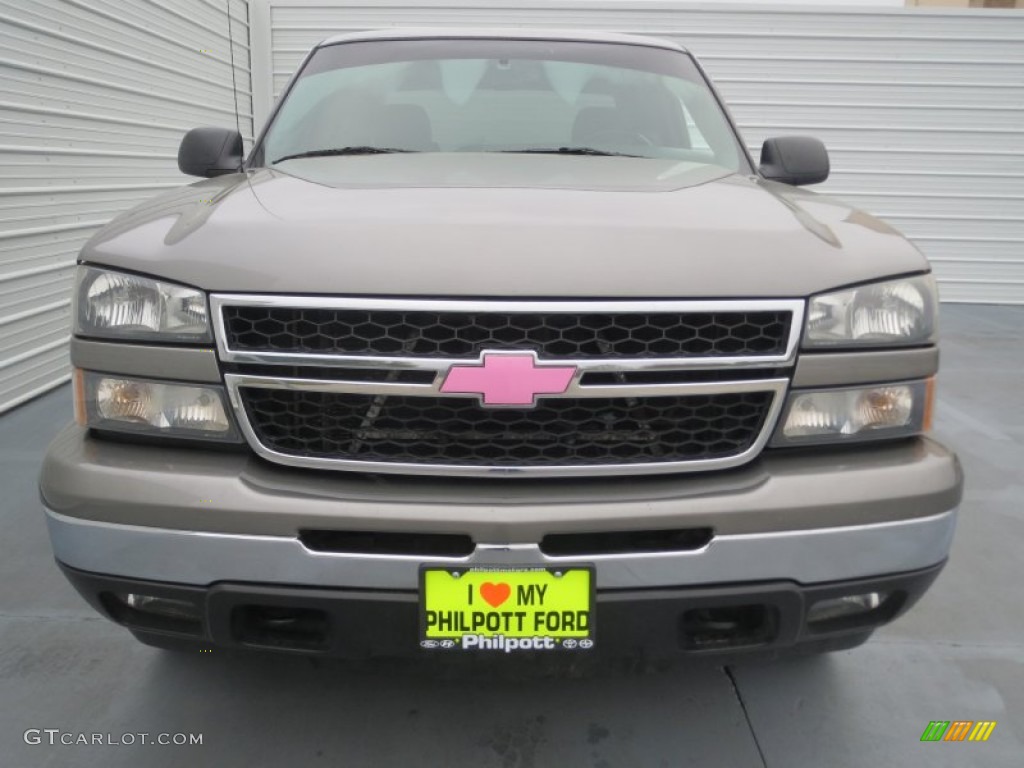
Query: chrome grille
x=317, y=392
x=447, y=430
x=575, y=335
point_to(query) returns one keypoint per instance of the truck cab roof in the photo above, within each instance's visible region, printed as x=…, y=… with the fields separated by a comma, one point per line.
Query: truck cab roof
x=499, y=33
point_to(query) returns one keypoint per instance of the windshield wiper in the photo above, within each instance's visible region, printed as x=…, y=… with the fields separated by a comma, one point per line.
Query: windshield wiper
x=572, y=151
x=342, y=151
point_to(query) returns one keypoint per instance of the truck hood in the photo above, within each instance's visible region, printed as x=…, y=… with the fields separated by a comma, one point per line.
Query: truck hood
x=502, y=226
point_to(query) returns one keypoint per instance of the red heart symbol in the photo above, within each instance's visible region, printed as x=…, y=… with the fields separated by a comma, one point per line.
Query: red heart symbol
x=495, y=594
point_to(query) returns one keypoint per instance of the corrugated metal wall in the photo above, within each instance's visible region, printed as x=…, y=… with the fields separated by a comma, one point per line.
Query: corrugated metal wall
x=94, y=98
x=922, y=109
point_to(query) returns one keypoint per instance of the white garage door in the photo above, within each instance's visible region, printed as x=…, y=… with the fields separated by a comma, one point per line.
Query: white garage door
x=94, y=98
x=922, y=109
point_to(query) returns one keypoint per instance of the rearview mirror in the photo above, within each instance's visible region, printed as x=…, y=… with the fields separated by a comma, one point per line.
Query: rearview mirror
x=794, y=160
x=210, y=152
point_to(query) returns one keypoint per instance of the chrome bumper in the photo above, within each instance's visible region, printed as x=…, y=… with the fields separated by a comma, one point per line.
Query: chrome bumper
x=199, y=558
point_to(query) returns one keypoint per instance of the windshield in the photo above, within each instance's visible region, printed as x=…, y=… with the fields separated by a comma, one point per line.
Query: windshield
x=480, y=95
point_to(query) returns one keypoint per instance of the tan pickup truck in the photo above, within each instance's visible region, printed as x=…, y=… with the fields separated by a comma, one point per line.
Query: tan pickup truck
x=499, y=342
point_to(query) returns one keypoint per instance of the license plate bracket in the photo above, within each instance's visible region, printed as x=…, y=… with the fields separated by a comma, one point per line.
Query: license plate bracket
x=507, y=608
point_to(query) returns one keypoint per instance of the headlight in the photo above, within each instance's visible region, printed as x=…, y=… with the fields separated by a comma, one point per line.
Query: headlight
x=123, y=306
x=896, y=312
x=851, y=415
x=140, y=406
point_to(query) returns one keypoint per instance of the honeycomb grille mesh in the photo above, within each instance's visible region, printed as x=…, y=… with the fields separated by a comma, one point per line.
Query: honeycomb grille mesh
x=457, y=431
x=457, y=334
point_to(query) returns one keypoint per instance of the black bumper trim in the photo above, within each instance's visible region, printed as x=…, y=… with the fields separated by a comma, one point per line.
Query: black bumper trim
x=653, y=622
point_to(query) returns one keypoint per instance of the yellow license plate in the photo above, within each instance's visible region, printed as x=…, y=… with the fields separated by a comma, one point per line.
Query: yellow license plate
x=507, y=608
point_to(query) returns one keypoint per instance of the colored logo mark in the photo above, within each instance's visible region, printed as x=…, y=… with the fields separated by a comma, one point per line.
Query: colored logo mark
x=958, y=730
x=508, y=379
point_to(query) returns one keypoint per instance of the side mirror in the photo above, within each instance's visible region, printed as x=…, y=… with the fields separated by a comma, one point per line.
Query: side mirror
x=794, y=160
x=210, y=152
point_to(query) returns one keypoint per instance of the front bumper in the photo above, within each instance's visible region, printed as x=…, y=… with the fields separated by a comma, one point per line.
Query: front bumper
x=201, y=517
x=226, y=528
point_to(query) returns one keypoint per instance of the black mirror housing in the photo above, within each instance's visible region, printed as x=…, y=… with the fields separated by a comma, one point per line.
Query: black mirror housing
x=794, y=160
x=210, y=152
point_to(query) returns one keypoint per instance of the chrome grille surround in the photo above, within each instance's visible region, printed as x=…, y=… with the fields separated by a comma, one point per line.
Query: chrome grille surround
x=436, y=368
x=593, y=334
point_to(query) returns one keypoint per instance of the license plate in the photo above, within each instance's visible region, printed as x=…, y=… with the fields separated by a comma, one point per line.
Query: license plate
x=507, y=609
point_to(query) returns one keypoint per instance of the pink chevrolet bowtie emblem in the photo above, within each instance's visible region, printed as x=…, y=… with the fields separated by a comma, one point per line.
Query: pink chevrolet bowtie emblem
x=508, y=378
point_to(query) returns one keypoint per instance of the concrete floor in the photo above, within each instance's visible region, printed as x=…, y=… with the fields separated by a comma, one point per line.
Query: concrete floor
x=958, y=655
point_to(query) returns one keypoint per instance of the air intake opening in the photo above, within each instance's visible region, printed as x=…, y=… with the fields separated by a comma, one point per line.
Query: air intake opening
x=626, y=542
x=387, y=543
x=728, y=626
x=280, y=627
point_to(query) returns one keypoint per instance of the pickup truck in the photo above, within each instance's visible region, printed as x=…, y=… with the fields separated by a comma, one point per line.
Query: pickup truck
x=499, y=342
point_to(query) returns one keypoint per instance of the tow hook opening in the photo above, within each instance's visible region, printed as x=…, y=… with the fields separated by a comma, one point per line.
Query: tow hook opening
x=728, y=626
x=280, y=627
